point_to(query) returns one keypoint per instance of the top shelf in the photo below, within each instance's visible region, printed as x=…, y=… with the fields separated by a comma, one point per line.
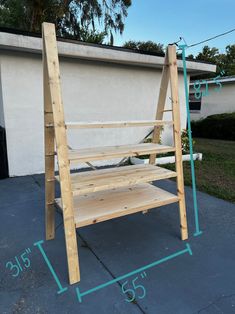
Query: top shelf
x=115, y=124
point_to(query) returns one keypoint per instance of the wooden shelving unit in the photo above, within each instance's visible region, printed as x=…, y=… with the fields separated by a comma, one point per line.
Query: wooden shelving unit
x=95, y=196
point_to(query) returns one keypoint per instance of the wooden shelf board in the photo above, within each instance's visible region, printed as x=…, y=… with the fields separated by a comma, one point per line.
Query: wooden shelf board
x=115, y=124
x=105, y=205
x=109, y=152
x=99, y=180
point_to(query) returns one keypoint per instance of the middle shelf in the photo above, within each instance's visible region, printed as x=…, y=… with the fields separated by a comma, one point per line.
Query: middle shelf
x=105, y=179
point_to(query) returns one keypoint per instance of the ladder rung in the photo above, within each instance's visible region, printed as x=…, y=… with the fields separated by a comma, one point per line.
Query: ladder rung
x=167, y=110
x=50, y=203
x=49, y=125
x=115, y=124
x=50, y=180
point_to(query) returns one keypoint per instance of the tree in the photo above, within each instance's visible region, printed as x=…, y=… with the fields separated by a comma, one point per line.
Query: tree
x=145, y=46
x=76, y=19
x=208, y=54
x=228, y=60
x=190, y=57
x=224, y=61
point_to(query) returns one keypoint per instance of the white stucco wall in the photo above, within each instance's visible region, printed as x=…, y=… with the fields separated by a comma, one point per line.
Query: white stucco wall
x=98, y=83
x=216, y=102
x=91, y=91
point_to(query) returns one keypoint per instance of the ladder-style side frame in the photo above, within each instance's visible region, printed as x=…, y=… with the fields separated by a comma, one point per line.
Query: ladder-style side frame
x=54, y=100
x=177, y=139
x=170, y=73
x=49, y=151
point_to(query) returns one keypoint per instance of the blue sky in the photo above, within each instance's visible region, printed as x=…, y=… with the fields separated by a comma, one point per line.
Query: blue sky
x=165, y=21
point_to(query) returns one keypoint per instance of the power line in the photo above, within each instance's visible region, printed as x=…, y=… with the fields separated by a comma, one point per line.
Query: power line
x=203, y=41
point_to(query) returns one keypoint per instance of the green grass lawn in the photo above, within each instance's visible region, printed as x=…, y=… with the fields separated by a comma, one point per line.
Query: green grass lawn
x=215, y=174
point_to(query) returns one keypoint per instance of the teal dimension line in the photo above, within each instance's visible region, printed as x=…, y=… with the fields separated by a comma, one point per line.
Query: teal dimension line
x=197, y=231
x=39, y=245
x=139, y=270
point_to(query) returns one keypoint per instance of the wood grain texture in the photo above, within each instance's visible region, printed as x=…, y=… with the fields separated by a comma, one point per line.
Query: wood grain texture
x=115, y=124
x=105, y=179
x=177, y=138
x=108, y=152
x=52, y=63
x=160, y=106
x=105, y=205
x=49, y=149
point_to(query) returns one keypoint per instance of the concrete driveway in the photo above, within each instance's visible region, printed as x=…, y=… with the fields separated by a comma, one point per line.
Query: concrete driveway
x=202, y=283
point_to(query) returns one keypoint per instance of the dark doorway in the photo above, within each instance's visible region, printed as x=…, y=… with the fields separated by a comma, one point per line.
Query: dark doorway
x=4, y=173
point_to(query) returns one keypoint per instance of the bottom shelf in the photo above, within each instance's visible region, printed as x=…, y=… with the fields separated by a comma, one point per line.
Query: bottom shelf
x=100, y=206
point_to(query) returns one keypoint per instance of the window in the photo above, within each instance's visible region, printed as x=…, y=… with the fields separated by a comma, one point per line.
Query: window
x=194, y=104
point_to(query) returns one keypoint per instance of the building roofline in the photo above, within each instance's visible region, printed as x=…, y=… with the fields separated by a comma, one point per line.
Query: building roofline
x=76, y=41
x=18, y=40
x=223, y=79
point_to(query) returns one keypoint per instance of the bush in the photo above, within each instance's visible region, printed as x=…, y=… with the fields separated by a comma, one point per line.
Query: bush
x=185, y=142
x=217, y=126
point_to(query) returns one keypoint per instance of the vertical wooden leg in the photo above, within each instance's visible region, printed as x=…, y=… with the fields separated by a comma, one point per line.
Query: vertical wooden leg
x=50, y=221
x=183, y=218
x=72, y=250
x=177, y=140
x=50, y=197
x=180, y=188
x=51, y=66
x=49, y=147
